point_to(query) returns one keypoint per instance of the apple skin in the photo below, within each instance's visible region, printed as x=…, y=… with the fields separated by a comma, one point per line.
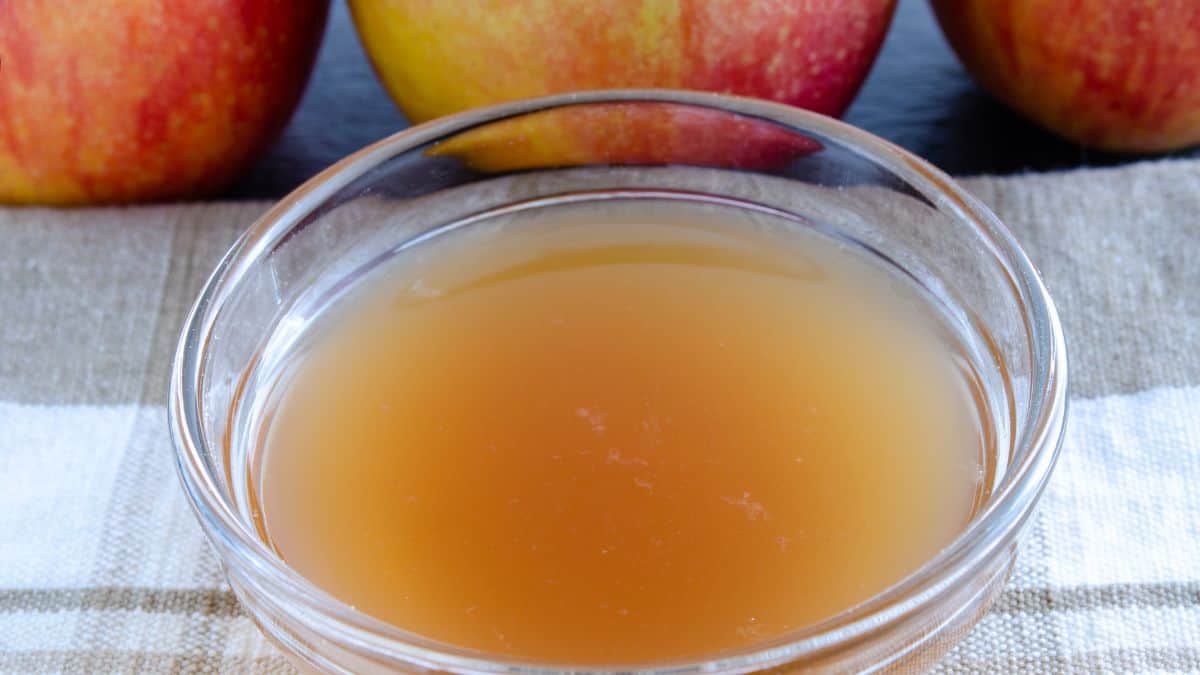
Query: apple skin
x=114, y=101
x=437, y=58
x=1117, y=75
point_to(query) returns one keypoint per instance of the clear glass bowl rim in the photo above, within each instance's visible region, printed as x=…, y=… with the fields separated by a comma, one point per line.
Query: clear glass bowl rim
x=996, y=527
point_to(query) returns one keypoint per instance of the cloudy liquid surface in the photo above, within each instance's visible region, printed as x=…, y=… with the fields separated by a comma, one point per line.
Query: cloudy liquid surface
x=586, y=437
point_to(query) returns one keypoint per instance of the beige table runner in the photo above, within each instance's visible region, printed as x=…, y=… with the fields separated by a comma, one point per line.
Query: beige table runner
x=103, y=567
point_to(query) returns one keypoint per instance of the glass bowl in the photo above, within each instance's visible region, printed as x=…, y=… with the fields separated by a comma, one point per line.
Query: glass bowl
x=605, y=145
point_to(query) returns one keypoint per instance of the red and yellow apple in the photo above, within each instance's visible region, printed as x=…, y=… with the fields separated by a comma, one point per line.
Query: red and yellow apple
x=128, y=100
x=442, y=57
x=1120, y=75
x=437, y=58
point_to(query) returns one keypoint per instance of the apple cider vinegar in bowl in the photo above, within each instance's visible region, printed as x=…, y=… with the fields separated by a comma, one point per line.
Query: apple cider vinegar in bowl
x=620, y=417
x=619, y=437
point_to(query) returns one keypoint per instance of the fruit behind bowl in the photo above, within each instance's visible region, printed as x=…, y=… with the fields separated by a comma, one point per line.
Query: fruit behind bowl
x=437, y=58
x=135, y=100
x=1111, y=74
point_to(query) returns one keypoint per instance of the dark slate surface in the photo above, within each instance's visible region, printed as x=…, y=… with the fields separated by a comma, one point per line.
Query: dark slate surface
x=917, y=96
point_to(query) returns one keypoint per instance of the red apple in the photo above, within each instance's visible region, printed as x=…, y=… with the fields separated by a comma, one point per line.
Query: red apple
x=1120, y=75
x=437, y=58
x=126, y=100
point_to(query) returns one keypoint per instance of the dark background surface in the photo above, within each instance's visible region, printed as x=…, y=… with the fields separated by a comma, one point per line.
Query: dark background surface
x=917, y=96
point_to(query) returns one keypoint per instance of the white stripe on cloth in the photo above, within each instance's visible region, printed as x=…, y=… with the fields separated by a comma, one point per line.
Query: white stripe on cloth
x=57, y=468
x=1124, y=502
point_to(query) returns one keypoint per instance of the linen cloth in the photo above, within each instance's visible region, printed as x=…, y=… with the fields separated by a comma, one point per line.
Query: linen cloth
x=103, y=567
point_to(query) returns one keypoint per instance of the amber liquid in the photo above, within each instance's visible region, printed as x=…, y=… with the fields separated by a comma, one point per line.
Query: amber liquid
x=613, y=436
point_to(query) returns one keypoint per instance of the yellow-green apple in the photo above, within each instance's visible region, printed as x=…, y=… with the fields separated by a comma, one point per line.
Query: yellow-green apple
x=128, y=100
x=1120, y=75
x=437, y=58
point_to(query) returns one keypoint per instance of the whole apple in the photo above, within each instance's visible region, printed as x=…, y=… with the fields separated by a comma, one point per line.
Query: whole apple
x=437, y=58
x=109, y=101
x=1121, y=75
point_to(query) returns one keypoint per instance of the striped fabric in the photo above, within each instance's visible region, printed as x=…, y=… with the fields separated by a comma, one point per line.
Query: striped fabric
x=103, y=567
